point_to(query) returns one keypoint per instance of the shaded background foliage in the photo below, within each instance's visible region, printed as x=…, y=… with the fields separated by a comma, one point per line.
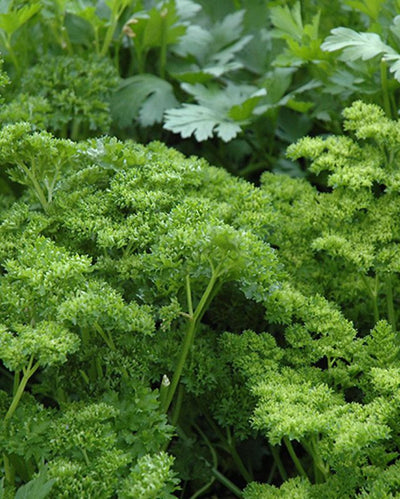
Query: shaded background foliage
x=235, y=82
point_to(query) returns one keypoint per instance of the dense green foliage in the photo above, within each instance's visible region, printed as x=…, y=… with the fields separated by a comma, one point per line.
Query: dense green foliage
x=235, y=82
x=170, y=330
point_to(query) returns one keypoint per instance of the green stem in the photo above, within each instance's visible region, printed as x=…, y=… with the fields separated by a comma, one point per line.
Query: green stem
x=373, y=294
x=108, y=38
x=278, y=462
x=189, y=296
x=29, y=371
x=321, y=470
x=203, y=489
x=12, y=55
x=294, y=457
x=111, y=29
x=215, y=464
x=165, y=383
x=390, y=305
x=85, y=456
x=75, y=129
x=85, y=377
x=38, y=190
x=386, y=99
x=271, y=473
x=228, y=484
x=219, y=476
x=9, y=472
x=194, y=322
x=117, y=49
x=237, y=460
x=163, y=50
x=178, y=406
x=107, y=339
x=140, y=60
x=17, y=380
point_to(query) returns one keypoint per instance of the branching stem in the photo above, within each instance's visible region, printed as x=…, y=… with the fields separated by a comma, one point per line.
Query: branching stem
x=194, y=321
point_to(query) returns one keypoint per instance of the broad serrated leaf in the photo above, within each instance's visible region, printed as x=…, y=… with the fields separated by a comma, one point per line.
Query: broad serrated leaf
x=194, y=42
x=394, y=66
x=356, y=45
x=226, y=55
x=229, y=29
x=142, y=96
x=201, y=122
x=217, y=46
x=187, y=8
x=222, y=99
x=219, y=110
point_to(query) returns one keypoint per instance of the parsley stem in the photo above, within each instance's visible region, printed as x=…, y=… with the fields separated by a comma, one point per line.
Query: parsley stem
x=29, y=371
x=271, y=473
x=163, y=50
x=228, y=484
x=8, y=470
x=178, y=405
x=373, y=293
x=189, y=296
x=278, y=462
x=236, y=458
x=194, y=322
x=219, y=476
x=295, y=459
x=386, y=101
x=38, y=190
x=390, y=306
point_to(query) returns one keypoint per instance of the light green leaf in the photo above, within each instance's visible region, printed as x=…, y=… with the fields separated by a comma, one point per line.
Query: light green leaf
x=13, y=20
x=355, y=45
x=371, y=8
x=217, y=46
x=219, y=110
x=186, y=9
x=200, y=121
x=288, y=22
x=149, y=27
x=363, y=46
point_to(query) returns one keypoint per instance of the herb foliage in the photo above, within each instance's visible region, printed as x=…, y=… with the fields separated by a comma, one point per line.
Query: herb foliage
x=167, y=329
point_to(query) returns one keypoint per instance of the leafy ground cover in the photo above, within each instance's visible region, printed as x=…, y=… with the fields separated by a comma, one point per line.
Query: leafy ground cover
x=169, y=329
